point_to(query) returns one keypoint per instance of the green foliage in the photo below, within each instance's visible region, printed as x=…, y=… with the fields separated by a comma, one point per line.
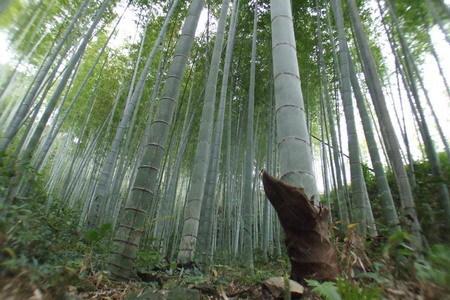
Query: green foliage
x=148, y=259
x=435, y=268
x=427, y=199
x=11, y=13
x=37, y=234
x=414, y=22
x=42, y=241
x=327, y=289
x=257, y=276
x=43, y=245
x=344, y=289
x=357, y=291
x=397, y=245
x=95, y=236
x=242, y=275
x=41, y=236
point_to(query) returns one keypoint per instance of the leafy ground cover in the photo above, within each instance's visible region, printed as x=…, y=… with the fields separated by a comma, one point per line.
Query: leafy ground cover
x=45, y=255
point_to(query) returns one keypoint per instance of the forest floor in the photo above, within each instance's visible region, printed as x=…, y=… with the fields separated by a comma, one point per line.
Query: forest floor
x=222, y=282
x=45, y=255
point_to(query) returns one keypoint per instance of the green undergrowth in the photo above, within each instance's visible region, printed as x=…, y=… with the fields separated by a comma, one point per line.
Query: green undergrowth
x=42, y=248
x=427, y=198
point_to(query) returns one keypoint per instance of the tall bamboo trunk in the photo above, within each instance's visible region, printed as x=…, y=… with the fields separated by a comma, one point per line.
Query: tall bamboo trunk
x=359, y=192
x=100, y=197
x=387, y=129
x=247, y=199
x=343, y=212
x=130, y=228
x=292, y=196
x=28, y=100
x=389, y=210
x=201, y=159
x=207, y=215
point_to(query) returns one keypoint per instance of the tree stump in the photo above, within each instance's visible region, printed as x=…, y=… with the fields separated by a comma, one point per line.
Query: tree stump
x=310, y=251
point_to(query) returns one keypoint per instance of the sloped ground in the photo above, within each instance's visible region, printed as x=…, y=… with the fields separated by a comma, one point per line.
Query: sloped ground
x=213, y=286
x=44, y=255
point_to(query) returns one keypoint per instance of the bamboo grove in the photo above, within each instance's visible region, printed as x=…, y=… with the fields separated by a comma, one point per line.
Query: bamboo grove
x=164, y=134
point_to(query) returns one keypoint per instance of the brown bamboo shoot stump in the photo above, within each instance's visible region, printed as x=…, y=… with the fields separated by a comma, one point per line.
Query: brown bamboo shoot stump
x=310, y=251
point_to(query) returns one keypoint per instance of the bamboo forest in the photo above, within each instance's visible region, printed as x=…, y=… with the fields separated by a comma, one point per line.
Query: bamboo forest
x=224, y=149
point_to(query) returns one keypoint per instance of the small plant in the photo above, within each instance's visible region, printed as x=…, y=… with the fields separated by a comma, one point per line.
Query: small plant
x=327, y=289
x=42, y=244
x=398, y=251
x=357, y=291
x=148, y=259
x=344, y=289
x=95, y=236
x=435, y=268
